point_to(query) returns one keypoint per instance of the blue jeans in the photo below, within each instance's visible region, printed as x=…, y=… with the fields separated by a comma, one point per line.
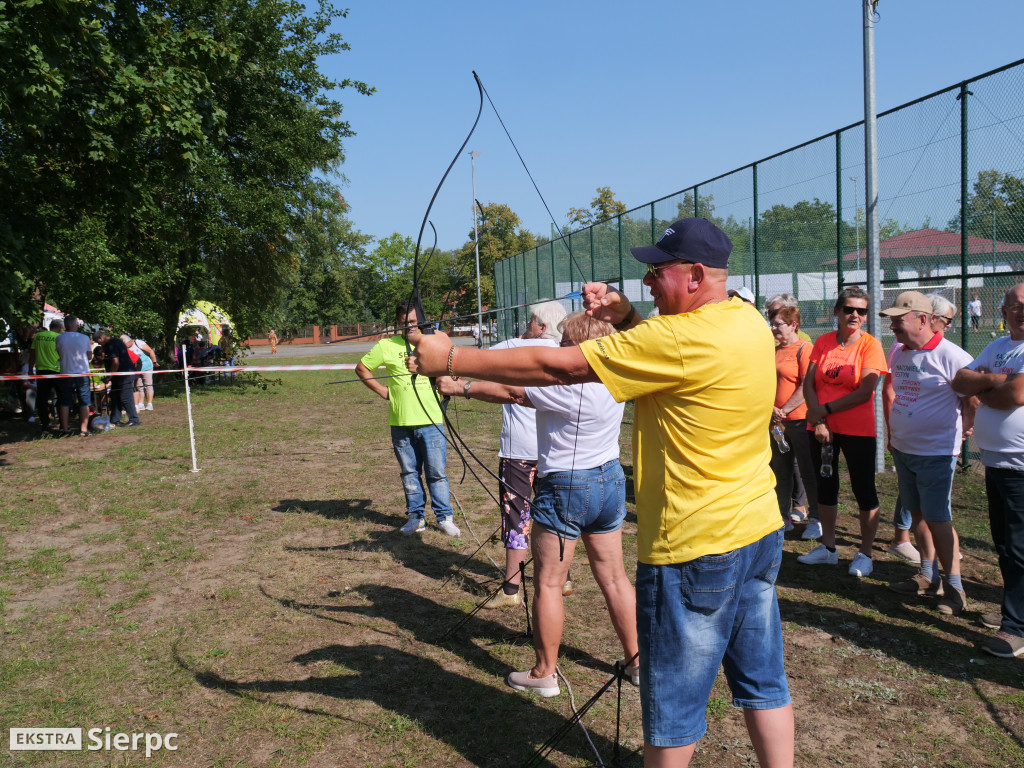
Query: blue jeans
x=1005, y=490
x=423, y=449
x=692, y=617
x=582, y=501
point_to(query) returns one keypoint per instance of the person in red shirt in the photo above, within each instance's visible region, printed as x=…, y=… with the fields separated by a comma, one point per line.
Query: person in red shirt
x=839, y=390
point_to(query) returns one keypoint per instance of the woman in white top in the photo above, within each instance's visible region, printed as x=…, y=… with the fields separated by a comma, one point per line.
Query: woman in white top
x=581, y=492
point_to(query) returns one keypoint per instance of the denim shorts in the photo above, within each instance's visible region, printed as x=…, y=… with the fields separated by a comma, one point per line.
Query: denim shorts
x=70, y=389
x=693, y=617
x=926, y=483
x=581, y=501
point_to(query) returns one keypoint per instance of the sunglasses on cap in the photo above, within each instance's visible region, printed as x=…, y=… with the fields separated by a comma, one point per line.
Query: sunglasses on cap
x=862, y=311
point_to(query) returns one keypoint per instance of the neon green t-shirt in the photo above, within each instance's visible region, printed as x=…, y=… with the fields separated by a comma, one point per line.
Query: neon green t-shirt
x=404, y=409
x=44, y=344
x=704, y=385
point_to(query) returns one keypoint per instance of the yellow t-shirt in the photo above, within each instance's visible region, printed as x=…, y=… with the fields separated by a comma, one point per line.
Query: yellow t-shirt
x=704, y=384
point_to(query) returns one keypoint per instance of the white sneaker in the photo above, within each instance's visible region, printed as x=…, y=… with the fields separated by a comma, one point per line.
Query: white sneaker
x=448, y=527
x=149, y=406
x=906, y=551
x=862, y=565
x=414, y=525
x=819, y=556
x=812, y=530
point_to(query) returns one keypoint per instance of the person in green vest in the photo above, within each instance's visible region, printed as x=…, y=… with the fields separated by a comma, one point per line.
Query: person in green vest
x=417, y=428
x=43, y=361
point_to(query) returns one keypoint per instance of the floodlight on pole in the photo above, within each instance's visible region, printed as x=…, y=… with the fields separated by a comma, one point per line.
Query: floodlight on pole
x=473, y=155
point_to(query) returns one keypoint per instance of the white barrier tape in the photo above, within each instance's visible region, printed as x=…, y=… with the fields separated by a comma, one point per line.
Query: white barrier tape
x=191, y=370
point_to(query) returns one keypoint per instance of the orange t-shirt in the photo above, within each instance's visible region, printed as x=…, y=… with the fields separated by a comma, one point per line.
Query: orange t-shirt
x=838, y=373
x=791, y=364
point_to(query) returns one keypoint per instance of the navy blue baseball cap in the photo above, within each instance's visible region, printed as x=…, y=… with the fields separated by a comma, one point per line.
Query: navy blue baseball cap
x=695, y=240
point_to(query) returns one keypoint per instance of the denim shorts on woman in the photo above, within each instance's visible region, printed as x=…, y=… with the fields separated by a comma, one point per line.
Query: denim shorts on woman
x=693, y=617
x=581, y=501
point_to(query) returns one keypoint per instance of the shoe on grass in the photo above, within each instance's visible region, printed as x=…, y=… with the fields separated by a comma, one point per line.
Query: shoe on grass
x=630, y=673
x=798, y=515
x=501, y=600
x=812, y=530
x=991, y=620
x=905, y=551
x=917, y=584
x=448, y=527
x=1004, y=645
x=414, y=525
x=861, y=566
x=789, y=525
x=953, y=601
x=567, y=588
x=819, y=556
x=542, y=686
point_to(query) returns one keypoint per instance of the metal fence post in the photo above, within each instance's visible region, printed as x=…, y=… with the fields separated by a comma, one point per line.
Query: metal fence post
x=757, y=271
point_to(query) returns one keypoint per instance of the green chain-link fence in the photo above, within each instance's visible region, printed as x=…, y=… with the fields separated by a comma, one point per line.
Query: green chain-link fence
x=951, y=217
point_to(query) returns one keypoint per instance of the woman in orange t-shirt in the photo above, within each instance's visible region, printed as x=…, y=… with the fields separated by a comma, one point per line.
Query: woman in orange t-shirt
x=792, y=358
x=839, y=389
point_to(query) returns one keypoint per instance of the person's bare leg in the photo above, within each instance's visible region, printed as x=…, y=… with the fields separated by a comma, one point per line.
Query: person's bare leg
x=925, y=542
x=772, y=734
x=947, y=547
x=668, y=757
x=65, y=415
x=868, y=528
x=83, y=417
x=548, y=611
x=827, y=514
x=513, y=559
x=605, y=553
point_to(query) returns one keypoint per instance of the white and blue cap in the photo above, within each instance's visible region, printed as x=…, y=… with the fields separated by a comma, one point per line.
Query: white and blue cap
x=694, y=240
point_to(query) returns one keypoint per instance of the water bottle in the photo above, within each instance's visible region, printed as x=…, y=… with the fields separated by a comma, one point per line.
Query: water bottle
x=780, y=438
x=826, y=459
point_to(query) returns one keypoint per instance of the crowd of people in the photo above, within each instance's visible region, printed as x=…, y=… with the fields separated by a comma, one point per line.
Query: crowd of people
x=715, y=494
x=100, y=382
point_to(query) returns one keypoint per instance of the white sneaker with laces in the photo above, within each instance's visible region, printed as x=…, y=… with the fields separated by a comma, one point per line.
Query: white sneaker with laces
x=819, y=556
x=812, y=530
x=448, y=527
x=862, y=565
x=149, y=406
x=413, y=525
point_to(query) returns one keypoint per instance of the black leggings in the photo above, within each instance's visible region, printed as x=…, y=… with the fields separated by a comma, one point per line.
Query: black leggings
x=859, y=452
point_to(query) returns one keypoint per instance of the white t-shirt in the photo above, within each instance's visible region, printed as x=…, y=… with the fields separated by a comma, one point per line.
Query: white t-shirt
x=1000, y=432
x=925, y=415
x=518, y=423
x=73, y=349
x=564, y=408
x=974, y=308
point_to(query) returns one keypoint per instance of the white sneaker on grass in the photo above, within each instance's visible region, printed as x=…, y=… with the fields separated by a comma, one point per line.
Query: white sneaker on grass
x=819, y=556
x=812, y=530
x=862, y=565
x=448, y=527
x=413, y=525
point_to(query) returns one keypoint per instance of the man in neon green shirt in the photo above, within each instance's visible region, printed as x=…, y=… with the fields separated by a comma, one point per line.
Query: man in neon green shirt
x=417, y=428
x=44, y=361
x=709, y=535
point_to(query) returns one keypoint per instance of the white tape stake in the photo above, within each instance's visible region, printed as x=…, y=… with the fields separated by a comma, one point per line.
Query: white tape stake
x=188, y=403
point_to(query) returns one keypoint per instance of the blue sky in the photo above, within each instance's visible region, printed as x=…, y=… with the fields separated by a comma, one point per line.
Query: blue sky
x=644, y=97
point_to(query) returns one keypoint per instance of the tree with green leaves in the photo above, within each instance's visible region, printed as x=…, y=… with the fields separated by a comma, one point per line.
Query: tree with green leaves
x=995, y=208
x=172, y=153
x=604, y=206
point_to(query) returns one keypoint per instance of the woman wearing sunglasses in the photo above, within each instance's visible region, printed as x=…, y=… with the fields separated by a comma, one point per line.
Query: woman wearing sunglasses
x=839, y=389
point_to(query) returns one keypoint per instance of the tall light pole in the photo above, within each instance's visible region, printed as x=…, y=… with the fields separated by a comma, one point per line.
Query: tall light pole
x=871, y=203
x=476, y=245
x=856, y=219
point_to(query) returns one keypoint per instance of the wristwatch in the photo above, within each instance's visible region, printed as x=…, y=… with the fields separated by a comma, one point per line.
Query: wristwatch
x=465, y=389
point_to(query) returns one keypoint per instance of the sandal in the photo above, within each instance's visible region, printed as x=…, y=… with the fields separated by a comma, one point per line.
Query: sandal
x=83, y=434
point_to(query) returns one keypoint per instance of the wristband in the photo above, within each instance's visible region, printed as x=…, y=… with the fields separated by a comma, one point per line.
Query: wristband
x=624, y=322
x=828, y=408
x=451, y=359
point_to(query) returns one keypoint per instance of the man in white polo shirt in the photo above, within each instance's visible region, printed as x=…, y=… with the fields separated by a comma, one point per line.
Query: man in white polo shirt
x=995, y=377
x=926, y=421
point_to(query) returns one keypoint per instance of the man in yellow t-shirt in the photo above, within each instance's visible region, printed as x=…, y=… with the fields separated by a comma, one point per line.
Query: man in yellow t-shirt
x=709, y=533
x=417, y=428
